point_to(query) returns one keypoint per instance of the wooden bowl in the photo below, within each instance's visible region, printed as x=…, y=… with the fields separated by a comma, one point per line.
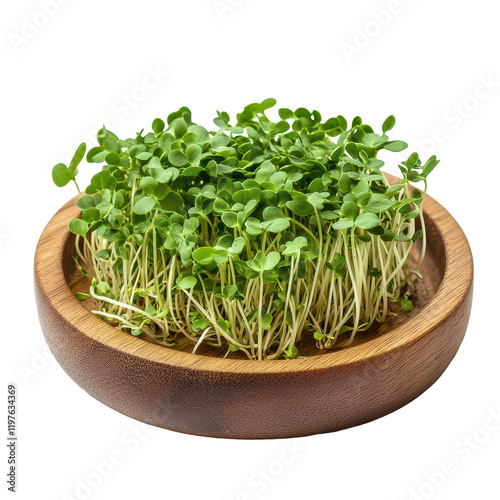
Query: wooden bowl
x=237, y=398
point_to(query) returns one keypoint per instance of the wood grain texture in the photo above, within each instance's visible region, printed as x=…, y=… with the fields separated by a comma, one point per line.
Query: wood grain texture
x=237, y=398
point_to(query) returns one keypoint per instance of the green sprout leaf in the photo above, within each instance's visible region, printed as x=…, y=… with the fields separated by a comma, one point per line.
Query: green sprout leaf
x=78, y=226
x=77, y=158
x=158, y=126
x=367, y=221
x=204, y=255
x=144, y=205
x=291, y=353
x=405, y=303
x=395, y=146
x=61, y=175
x=300, y=207
x=200, y=324
x=271, y=262
x=388, y=124
x=186, y=283
x=293, y=247
x=193, y=154
x=177, y=158
x=343, y=224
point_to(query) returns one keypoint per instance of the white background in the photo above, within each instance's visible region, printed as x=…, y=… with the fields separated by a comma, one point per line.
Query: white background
x=66, y=73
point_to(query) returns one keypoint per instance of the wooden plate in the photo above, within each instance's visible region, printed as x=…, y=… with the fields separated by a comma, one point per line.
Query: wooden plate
x=238, y=398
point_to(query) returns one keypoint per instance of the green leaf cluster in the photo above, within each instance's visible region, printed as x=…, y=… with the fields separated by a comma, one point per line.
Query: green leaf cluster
x=255, y=199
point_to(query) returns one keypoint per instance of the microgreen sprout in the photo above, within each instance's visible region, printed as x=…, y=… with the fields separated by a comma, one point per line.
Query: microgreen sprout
x=251, y=236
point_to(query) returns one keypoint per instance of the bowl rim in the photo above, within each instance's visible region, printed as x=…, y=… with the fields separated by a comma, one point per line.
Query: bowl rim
x=452, y=291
